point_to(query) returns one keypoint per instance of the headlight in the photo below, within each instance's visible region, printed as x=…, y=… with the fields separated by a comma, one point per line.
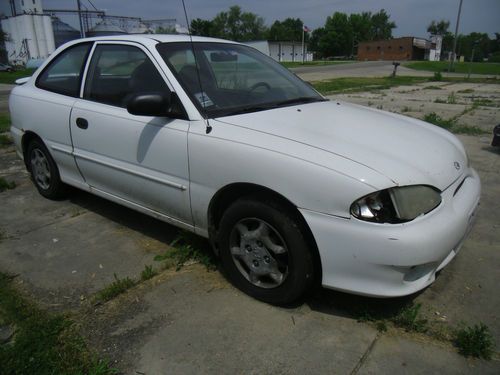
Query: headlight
x=396, y=205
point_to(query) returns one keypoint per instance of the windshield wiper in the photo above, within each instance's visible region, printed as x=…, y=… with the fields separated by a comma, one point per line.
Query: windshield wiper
x=265, y=106
x=247, y=109
x=299, y=100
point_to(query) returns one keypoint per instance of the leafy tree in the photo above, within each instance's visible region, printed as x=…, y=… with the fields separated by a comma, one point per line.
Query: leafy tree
x=438, y=27
x=342, y=33
x=237, y=25
x=381, y=26
x=201, y=27
x=479, y=41
x=288, y=30
x=165, y=30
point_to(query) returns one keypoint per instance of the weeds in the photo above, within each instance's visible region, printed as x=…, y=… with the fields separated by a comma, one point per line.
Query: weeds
x=469, y=130
x=381, y=326
x=6, y=185
x=451, y=124
x=5, y=140
x=466, y=91
x=408, y=318
x=148, y=272
x=432, y=88
x=4, y=122
x=435, y=119
x=475, y=341
x=437, y=77
x=116, y=288
x=441, y=101
x=406, y=109
x=484, y=102
x=452, y=99
x=183, y=252
x=42, y=343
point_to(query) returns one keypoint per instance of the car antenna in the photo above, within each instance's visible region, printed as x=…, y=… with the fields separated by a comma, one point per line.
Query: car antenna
x=202, y=93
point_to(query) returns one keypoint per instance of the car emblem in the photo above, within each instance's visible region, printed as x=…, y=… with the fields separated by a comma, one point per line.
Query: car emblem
x=457, y=165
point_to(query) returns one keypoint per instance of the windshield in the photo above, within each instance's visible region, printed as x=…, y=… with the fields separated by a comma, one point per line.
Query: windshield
x=233, y=78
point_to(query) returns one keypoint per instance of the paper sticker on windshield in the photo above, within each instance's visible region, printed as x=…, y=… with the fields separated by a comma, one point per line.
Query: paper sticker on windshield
x=204, y=100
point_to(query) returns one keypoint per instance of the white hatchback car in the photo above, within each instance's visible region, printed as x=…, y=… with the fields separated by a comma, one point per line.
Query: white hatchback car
x=219, y=139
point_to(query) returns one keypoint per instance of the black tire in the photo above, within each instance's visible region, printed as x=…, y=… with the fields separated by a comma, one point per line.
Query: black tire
x=299, y=259
x=53, y=188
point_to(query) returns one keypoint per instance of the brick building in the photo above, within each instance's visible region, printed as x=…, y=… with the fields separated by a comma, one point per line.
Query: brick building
x=406, y=48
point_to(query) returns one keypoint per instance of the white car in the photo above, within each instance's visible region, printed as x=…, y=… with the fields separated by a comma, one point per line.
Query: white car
x=216, y=138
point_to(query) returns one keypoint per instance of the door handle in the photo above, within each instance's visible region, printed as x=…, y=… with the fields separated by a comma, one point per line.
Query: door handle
x=82, y=123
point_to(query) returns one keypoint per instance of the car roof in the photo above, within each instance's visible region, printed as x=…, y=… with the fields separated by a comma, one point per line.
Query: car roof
x=161, y=38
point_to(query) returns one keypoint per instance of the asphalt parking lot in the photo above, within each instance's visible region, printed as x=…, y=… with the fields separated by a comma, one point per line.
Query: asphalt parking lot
x=194, y=321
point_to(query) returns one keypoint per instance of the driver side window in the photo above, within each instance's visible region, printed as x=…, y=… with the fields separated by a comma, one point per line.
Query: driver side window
x=120, y=71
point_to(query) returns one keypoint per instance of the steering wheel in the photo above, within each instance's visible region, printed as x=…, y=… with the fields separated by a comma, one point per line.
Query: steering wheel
x=260, y=84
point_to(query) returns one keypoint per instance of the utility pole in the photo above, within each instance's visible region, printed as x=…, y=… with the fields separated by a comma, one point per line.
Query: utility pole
x=452, y=60
x=82, y=30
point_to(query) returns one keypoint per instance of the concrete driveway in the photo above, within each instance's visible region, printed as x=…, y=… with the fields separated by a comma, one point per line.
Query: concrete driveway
x=193, y=321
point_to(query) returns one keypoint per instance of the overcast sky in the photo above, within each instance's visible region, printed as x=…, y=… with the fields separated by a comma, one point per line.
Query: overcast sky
x=411, y=16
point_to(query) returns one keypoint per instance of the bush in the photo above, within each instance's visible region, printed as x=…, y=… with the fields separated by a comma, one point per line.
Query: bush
x=437, y=76
x=475, y=341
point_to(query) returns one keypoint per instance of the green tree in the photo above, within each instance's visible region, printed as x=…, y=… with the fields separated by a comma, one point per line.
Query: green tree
x=342, y=33
x=201, y=27
x=438, y=27
x=237, y=25
x=165, y=30
x=288, y=30
x=381, y=26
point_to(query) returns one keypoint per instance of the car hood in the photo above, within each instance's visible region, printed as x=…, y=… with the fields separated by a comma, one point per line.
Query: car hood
x=405, y=150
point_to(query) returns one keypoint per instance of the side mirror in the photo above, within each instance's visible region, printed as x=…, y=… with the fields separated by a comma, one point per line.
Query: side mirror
x=149, y=104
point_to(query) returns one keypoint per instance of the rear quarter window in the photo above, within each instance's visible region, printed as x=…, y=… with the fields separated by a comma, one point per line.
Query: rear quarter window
x=64, y=73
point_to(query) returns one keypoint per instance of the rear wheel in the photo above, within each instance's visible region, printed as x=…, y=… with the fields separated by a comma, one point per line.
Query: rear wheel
x=44, y=171
x=264, y=251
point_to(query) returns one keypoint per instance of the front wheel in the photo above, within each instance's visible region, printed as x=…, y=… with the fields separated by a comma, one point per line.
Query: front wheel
x=264, y=251
x=44, y=172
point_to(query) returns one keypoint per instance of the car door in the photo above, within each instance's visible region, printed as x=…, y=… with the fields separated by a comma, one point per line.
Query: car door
x=139, y=159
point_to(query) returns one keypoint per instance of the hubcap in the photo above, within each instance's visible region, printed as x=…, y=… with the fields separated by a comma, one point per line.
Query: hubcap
x=259, y=253
x=40, y=168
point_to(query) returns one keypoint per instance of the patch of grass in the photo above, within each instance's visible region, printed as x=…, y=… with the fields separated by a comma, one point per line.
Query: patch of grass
x=465, y=91
x=441, y=101
x=116, y=288
x=10, y=77
x=4, y=122
x=356, y=84
x=5, y=140
x=42, y=343
x=186, y=249
x=451, y=124
x=6, y=185
x=431, y=87
x=437, y=77
x=148, y=272
x=406, y=109
x=435, y=119
x=475, y=341
x=459, y=67
x=298, y=64
x=469, y=130
x=381, y=326
x=452, y=99
x=484, y=102
x=408, y=318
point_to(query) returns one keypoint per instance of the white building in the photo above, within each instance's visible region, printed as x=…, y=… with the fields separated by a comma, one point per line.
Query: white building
x=29, y=31
x=282, y=51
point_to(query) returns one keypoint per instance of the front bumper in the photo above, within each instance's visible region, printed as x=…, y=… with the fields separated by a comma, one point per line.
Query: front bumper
x=390, y=260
